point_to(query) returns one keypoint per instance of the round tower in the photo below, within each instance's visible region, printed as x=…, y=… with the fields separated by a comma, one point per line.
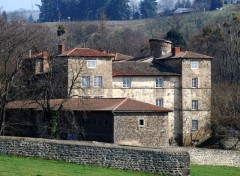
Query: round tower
x=160, y=47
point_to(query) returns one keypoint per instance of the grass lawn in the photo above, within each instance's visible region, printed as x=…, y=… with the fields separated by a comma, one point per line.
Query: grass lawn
x=197, y=170
x=18, y=166
x=12, y=166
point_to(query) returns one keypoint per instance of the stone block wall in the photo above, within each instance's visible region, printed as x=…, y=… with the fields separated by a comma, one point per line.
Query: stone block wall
x=213, y=157
x=166, y=161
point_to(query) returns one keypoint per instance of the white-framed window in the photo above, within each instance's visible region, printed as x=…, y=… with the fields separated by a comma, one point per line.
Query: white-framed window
x=85, y=82
x=91, y=63
x=126, y=82
x=141, y=122
x=194, y=104
x=159, y=82
x=194, y=82
x=194, y=125
x=97, y=82
x=159, y=102
x=194, y=64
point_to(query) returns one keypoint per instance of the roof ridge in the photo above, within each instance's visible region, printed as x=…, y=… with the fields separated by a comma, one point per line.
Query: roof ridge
x=184, y=54
x=120, y=104
x=71, y=51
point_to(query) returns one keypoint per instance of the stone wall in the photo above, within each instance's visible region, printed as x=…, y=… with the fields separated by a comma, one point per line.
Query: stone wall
x=213, y=157
x=154, y=132
x=167, y=161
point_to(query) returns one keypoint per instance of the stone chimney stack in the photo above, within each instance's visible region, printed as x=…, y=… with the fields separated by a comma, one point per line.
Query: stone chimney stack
x=160, y=47
x=61, y=49
x=175, y=51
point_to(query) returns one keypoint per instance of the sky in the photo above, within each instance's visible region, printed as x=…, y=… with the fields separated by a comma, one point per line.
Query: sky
x=11, y=5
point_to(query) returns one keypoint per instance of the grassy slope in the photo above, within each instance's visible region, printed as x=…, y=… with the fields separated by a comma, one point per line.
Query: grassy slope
x=11, y=166
x=197, y=170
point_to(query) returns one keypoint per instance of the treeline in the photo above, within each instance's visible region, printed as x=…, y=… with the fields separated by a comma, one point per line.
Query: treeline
x=74, y=10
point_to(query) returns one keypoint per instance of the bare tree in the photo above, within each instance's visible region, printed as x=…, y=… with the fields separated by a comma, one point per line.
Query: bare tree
x=15, y=42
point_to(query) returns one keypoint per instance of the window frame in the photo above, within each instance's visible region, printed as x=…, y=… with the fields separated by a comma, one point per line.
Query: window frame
x=194, y=65
x=89, y=64
x=195, y=125
x=88, y=82
x=157, y=83
x=126, y=81
x=194, y=105
x=95, y=83
x=194, y=82
x=160, y=102
x=141, y=119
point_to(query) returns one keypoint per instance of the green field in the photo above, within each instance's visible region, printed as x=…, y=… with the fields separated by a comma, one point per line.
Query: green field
x=18, y=166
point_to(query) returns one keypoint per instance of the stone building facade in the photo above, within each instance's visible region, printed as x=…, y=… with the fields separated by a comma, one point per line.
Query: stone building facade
x=168, y=77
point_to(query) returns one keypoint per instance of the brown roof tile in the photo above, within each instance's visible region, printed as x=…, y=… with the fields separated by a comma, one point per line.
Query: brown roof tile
x=86, y=52
x=141, y=69
x=104, y=104
x=191, y=55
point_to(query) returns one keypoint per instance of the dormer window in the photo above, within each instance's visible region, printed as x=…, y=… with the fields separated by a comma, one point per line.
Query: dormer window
x=91, y=63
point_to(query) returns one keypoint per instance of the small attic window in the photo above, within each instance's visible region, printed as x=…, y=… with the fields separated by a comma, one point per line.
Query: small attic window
x=91, y=63
x=141, y=122
x=164, y=52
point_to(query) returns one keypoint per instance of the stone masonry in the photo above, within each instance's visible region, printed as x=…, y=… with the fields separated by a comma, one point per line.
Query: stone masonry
x=165, y=161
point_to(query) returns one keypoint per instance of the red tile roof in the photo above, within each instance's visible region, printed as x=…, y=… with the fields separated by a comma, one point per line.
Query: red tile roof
x=86, y=52
x=104, y=104
x=191, y=55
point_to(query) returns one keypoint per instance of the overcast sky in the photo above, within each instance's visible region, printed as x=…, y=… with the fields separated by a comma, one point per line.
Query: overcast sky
x=11, y=5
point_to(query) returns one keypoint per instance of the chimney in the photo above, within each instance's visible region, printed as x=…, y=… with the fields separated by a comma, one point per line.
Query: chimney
x=61, y=49
x=175, y=51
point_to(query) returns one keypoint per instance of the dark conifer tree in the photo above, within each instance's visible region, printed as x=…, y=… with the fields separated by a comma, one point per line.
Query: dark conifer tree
x=118, y=10
x=148, y=8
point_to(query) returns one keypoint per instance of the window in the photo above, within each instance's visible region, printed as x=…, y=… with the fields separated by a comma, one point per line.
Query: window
x=194, y=64
x=85, y=82
x=84, y=97
x=126, y=82
x=91, y=64
x=98, y=96
x=141, y=122
x=194, y=82
x=164, y=52
x=159, y=102
x=194, y=104
x=159, y=82
x=194, y=125
x=97, y=81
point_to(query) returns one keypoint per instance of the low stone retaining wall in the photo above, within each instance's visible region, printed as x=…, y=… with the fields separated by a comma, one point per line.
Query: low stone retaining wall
x=213, y=157
x=168, y=161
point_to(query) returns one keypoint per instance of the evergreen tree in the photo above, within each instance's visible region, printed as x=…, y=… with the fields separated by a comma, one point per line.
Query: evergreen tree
x=148, y=8
x=30, y=19
x=202, y=4
x=49, y=11
x=118, y=10
x=4, y=15
x=216, y=4
x=177, y=38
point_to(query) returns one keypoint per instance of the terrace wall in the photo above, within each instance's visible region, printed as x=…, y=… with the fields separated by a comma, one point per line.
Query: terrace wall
x=166, y=161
